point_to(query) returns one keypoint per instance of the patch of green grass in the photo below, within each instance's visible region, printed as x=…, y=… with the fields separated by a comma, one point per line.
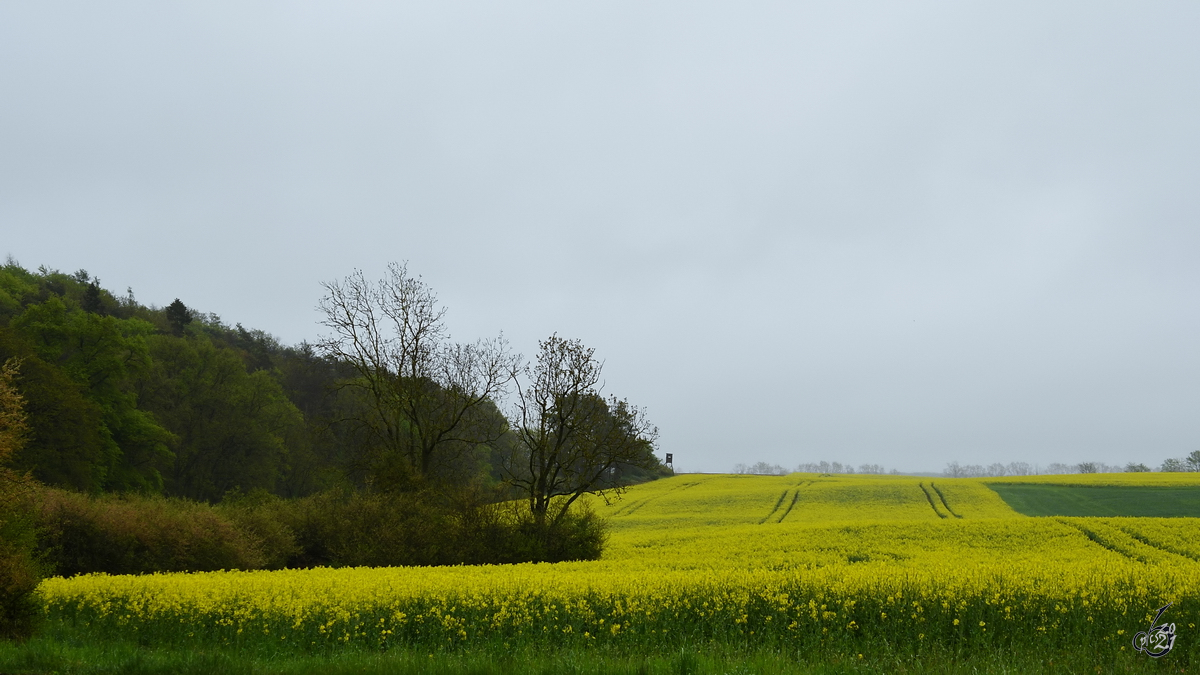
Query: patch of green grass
x=1033, y=499
x=47, y=655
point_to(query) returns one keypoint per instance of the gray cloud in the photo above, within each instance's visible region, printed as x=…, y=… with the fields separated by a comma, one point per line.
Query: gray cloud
x=899, y=234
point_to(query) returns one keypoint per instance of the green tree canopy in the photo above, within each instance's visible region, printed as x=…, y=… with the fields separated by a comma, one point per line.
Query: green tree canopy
x=232, y=427
x=103, y=355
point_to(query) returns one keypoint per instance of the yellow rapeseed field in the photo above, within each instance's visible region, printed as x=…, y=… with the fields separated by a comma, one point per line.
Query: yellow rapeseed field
x=805, y=560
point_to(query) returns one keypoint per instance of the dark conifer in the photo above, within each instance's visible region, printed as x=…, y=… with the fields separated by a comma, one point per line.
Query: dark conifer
x=179, y=316
x=93, y=302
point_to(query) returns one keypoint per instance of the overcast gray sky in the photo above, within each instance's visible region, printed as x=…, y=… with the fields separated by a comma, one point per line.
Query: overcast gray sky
x=897, y=233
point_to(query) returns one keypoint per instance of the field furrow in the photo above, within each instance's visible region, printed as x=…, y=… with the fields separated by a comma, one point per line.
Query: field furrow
x=791, y=505
x=929, y=498
x=942, y=498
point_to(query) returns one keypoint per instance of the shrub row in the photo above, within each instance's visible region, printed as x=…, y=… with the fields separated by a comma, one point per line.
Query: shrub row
x=138, y=534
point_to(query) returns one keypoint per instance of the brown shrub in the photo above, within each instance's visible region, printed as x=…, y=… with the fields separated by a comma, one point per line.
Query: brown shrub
x=352, y=529
x=263, y=517
x=20, y=572
x=136, y=534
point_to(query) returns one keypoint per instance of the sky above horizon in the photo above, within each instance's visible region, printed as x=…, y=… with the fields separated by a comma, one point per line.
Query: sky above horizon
x=901, y=234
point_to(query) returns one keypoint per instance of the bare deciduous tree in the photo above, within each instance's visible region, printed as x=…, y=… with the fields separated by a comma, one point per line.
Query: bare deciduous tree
x=422, y=400
x=1193, y=461
x=570, y=438
x=1019, y=469
x=1172, y=464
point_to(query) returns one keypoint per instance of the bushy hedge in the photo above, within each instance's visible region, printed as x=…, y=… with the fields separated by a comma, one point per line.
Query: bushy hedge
x=136, y=534
x=355, y=529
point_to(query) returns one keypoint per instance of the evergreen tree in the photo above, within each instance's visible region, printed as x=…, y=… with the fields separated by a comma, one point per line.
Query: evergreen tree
x=179, y=316
x=93, y=301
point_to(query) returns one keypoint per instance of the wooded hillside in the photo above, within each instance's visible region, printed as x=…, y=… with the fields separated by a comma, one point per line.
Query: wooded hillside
x=124, y=397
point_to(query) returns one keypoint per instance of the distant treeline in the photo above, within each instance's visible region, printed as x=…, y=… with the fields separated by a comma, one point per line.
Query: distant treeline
x=956, y=470
x=768, y=469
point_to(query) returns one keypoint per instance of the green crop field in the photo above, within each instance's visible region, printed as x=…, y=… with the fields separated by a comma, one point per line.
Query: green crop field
x=1100, y=500
x=708, y=573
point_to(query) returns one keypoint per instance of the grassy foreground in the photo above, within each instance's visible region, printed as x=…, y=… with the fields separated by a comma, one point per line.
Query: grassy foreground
x=49, y=655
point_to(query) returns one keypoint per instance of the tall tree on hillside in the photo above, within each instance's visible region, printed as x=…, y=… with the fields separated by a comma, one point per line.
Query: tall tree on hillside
x=179, y=316
x=571, y=440
x=422, y=400
x=93, y=301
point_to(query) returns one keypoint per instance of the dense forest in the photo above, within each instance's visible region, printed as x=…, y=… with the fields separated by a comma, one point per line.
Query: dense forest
x=122, y=397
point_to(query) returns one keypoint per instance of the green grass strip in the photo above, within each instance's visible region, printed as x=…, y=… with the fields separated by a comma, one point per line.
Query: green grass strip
x=45, y=655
